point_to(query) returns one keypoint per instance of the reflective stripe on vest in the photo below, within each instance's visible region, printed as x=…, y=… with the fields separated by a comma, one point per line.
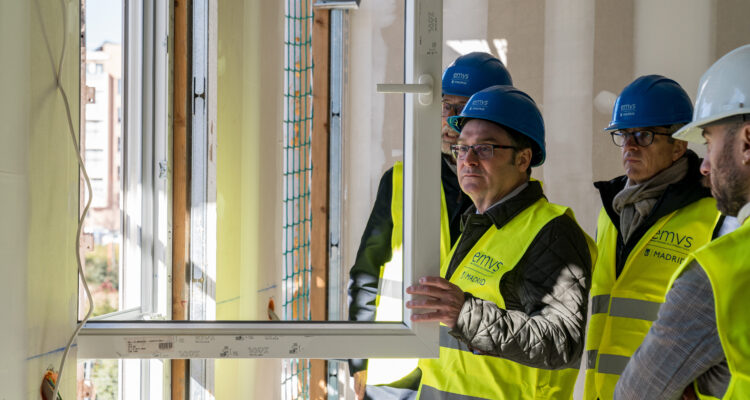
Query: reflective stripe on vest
x=624, y=308
x=461, y=374
x=429, y=392
x=389, y=302
x=726, y=261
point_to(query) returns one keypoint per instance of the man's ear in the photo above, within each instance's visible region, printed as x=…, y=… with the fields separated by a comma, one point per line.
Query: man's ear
x=744, y=142
x=679, y=149
x=523, y=159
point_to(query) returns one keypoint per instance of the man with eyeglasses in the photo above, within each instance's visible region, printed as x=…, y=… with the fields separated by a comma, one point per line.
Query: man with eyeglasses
x=375, y=286
x=700, y=340
x=652, y=218
x=511, y=296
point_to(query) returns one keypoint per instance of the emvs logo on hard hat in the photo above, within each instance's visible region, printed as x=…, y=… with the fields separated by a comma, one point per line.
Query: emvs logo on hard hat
x=460, y=78
x=480, y=105
x=627, y=110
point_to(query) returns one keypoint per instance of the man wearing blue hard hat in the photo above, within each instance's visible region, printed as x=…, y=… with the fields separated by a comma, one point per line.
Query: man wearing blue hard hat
x=652, y=218
x=511, y=296
x=376, y=277
x=700, y=340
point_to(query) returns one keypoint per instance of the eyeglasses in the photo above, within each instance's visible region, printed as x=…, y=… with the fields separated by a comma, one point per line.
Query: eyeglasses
x=484, y=151
x=642, y=138
x=452, y=109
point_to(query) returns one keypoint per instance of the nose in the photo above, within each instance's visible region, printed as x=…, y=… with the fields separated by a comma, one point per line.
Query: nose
x=706, y=166
x=471, y=157
x=630, y=142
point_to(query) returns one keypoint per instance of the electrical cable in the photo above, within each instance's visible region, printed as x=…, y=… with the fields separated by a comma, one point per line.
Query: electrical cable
x=89, y=192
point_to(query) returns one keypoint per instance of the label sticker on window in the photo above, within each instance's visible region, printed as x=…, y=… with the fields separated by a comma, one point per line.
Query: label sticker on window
x=150, y=345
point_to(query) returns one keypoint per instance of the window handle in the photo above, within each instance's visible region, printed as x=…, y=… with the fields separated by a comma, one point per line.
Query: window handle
x=423, y=89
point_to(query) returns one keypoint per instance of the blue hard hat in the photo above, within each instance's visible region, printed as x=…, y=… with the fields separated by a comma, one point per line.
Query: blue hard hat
x=473, y=72
x=651, y=100
x=511, y=108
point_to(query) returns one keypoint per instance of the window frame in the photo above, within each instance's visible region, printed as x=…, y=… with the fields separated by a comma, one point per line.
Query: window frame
x=297, y=339
x=145, y=258
x=146, y=220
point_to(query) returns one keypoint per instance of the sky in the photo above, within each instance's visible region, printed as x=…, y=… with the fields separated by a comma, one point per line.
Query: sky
x=103, y=22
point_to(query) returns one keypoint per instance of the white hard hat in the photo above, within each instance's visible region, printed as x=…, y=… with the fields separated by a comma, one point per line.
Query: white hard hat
x=724, y=91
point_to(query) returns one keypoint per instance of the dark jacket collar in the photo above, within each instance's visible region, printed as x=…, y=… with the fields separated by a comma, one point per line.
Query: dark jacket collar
x=676, y=196
x=502, y=213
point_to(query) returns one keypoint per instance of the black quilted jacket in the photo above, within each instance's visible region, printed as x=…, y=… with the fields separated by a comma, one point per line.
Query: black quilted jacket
x=544, y=319
x=375, y=246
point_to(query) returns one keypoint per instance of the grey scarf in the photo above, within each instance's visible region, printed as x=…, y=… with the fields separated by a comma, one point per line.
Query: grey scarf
x=635, y=201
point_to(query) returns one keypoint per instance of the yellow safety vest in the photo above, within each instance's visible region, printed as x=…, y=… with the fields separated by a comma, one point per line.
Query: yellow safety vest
x=459, y=371
x=726, y=261
x=389, y=302
x=623, y=308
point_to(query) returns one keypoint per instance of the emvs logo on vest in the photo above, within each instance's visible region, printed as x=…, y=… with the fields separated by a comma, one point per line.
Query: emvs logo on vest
x=669, y=246
x=673, y=238
x=480, y=266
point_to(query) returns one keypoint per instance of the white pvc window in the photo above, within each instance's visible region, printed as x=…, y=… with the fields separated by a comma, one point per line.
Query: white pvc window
x=147, y=234
x=144, y=258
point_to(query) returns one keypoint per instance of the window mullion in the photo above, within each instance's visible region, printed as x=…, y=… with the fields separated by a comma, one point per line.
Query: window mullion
x=202, y=285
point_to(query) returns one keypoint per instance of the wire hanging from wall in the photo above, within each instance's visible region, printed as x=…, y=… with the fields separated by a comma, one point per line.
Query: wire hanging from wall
x=57, y=71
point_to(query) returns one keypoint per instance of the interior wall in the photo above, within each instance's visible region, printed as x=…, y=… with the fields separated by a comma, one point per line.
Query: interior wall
x=682, y=52
x=14, y=186
x=613, y=70
x=567, y=106
x=249, y=135
x=53, y=195
x=38, y=195
x=521, y=25
x=683, y=49
x=731, y=17
x=464, y=36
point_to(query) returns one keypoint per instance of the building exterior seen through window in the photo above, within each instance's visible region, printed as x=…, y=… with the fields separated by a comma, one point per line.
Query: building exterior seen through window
x=101, y=137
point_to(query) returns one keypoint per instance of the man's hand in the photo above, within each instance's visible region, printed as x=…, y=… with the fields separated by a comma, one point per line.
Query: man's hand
x=360, y=380
x=441, y=296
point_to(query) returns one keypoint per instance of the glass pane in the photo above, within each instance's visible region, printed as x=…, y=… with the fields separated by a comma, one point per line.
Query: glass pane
x=374, y=145
x=99, y=379
x=112, y=379
x=101, y=143
x=265, y=165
